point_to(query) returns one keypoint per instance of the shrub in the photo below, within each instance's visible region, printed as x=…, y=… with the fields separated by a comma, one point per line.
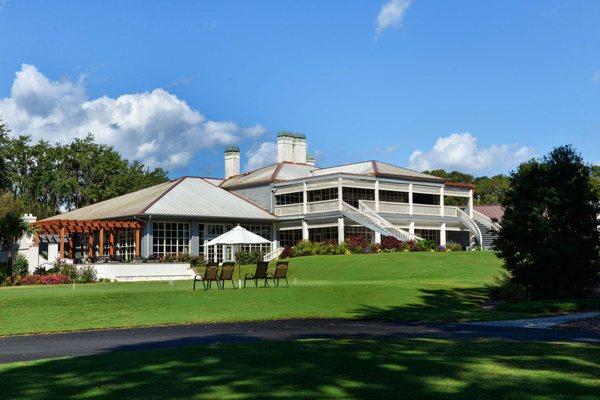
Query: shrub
x=303, y=248
x=286, y=253
x=427, y=245
x=357, y=243
x=453, y=246
x=20, y=265
x=391, y=243
x=506, y=290
x=196, y=261
x=69, y=270
x=51, y=279
x=412, y=245
x=87, y=274
x=248, y=257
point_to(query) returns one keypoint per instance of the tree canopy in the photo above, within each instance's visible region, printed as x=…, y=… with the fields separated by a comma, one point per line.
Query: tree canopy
x=51, y=177
x=549, y=238
x=488, y=190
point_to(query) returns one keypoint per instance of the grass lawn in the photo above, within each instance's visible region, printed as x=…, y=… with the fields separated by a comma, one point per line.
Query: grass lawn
x=318, y=369
x=407, y=286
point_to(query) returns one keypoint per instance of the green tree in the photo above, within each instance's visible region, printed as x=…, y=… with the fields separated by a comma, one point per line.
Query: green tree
x=491, y=190
x=12, y=226
x=549, y=239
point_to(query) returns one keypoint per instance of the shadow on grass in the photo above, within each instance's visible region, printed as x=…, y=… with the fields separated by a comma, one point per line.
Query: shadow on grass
x=316, y=369
x=437, y=305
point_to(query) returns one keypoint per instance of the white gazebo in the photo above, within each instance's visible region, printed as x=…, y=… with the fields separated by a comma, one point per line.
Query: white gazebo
x=232, y=241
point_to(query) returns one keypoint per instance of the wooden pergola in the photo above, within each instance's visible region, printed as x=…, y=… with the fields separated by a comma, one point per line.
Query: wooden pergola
x=68, y=228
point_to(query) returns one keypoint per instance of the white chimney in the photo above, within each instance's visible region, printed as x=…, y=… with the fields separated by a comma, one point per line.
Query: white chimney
x=300, y=148
x=285, y=147
x=310, y=160
x=232, y=161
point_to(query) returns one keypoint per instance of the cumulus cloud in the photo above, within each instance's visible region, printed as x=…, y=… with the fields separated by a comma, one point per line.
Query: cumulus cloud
x=261, y=155
x=391, y=15
x=155, y=127
x=460, y=151
x=254, y=131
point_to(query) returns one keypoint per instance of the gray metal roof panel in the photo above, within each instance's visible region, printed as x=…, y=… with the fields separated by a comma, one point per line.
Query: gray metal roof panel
x=196, y=197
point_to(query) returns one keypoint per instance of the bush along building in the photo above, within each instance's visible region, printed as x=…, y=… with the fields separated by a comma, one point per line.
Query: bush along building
x=286, y=202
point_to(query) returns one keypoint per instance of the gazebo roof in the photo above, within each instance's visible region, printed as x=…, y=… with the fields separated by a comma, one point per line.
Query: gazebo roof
x=238, y=235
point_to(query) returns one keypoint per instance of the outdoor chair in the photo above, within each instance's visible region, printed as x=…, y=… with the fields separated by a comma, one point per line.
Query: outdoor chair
x=209, y=276
x=226, y=274
x=280, y=273
x=259, y=274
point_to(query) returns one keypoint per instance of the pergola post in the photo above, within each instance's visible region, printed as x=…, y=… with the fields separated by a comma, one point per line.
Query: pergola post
x=61, y=243
x=101, y=242
x=137, y=242
x=90, y=249
x=111, y=243
x=72, y=244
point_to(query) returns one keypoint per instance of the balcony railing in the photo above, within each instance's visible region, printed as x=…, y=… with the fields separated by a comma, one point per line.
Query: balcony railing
x=322, y=206
x=384, y=207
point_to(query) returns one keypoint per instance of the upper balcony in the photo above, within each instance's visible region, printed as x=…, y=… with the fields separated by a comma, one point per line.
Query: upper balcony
x=381, y=195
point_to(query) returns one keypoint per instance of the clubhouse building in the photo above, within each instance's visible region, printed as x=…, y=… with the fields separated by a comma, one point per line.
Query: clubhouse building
x=286, y=202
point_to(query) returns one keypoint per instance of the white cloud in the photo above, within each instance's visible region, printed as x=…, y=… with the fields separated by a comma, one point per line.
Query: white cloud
x=254, y=131
x=391, y=15
x=155, y=127
x=596, y=76
x=259, y=156
x=460, y=151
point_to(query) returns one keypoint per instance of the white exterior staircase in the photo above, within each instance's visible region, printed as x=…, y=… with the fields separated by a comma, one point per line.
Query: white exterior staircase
x=370, y=219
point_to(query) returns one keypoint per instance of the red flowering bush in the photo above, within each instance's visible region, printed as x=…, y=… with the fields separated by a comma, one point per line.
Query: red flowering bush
x=286, y=253
x=358, y=243
x=391, y=243
x=50, y=279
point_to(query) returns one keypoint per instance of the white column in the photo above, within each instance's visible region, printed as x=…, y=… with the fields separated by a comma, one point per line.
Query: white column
x=304, y=230
x=304, y=199
x=377, y=198
x=410, y=198
x=340, y=193
x=377, y=237
x=443, y=234
x=274, y=237
x=470, y=204
x=442, y=212
x=411, y=227
x=341, y=230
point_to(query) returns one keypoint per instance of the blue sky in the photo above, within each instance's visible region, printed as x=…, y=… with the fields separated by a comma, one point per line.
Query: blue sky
x=471, y=85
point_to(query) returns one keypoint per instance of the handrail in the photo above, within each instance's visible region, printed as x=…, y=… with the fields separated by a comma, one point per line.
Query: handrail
x=484, y=219
x=384, y=225
x=470, y=223
x=273, y=254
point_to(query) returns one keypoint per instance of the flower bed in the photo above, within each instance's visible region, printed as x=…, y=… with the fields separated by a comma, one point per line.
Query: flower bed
x=359, y=244
x=50, y=279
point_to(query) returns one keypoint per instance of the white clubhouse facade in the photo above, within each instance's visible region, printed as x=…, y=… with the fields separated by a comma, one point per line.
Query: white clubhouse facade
x=286, y=202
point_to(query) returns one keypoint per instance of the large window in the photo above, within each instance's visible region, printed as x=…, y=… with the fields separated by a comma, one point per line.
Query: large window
x=125, y=248
x=323, y=234
x=290, y=237
x=393, y=196
x=353, y=195
x=429, y=234
x=350, y=231
x=170, y=238
x=423, y=198
x=322, y=194
x=288, y=198
x=260, y=230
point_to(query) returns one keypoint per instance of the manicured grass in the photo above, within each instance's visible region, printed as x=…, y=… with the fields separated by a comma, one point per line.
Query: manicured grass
x=319, y=369
x=407, y=286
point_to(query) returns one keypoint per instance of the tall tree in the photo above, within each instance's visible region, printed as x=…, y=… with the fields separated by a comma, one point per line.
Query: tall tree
x=549, y=239
x=12, y=226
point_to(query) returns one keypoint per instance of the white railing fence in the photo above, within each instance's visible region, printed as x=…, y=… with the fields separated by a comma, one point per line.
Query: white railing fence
x=273, y=254
x=476, y=238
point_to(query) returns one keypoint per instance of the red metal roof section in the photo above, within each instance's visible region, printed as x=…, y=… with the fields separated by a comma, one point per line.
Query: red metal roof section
x=495, y=212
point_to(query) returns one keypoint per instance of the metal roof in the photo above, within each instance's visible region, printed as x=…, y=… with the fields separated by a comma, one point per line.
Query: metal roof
x=277, y=172
x=494, y=212
x=186, y=197
x=119, y=207
x=195, y=197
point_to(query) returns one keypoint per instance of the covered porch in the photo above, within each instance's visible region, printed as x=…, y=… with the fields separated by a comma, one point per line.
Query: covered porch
x=92, y=240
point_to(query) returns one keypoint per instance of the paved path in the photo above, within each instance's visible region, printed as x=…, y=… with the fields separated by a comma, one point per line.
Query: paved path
x=541, y=323
x=32, y=347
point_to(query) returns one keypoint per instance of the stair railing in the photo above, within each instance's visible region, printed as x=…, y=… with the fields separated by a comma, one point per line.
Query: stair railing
x=469, y=223
x=369, y=218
